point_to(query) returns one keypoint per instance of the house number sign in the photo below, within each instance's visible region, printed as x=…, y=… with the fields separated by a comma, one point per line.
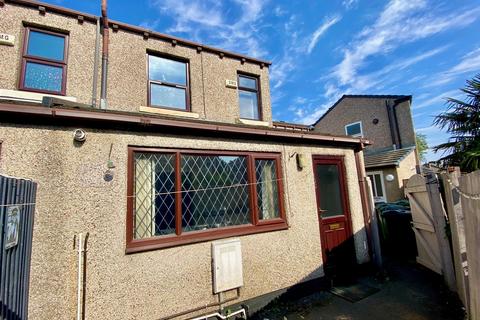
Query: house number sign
x=12, y=227
x=7, y=39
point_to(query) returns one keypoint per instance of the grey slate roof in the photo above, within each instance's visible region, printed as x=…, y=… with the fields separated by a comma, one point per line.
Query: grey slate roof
x=386, y=158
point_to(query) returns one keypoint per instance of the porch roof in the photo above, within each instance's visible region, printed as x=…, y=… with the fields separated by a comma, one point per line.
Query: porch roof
x=386, y=158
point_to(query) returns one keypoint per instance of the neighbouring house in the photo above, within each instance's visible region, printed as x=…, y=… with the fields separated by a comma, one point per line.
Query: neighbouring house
x=386, y=120
x=162, y=153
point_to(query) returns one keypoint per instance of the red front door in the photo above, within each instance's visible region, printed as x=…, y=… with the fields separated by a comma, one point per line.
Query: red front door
x=333, y=209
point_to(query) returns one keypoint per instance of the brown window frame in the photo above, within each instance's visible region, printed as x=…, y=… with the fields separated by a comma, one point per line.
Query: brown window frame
x=179, y=238
x=257, y=91
x=50, y=62
x=168, y=84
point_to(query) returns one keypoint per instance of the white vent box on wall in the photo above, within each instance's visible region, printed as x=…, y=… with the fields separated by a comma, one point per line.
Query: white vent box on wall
x=227, y=265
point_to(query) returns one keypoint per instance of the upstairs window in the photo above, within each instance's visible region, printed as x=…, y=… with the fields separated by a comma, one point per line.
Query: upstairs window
x=354, y=129
x=182, y=196
x=168, y=83
x=248, y=95
x=44, y=61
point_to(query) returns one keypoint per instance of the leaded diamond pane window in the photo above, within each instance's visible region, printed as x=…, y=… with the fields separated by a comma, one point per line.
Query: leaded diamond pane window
x=154, y=194
x=194, y=194
x=214, y=192
x=267, y=189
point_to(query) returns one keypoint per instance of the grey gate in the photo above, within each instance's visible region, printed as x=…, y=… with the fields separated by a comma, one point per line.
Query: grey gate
x=17, y=207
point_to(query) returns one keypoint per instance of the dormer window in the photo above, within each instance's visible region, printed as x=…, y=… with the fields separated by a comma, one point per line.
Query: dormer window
x=248, y=95
x=44, y=61
x=354, y=129
x=168, y=83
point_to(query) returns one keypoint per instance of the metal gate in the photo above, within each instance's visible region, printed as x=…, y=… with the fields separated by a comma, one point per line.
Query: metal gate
x=17, y=207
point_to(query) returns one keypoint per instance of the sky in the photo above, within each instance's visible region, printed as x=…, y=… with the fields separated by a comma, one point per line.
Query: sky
x=323, y=49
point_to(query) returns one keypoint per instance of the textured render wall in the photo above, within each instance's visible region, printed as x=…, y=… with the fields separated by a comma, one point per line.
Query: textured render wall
x=359, y=109
x=405, y=124
x=210, y=98
x=81, y=51
x=73, y=197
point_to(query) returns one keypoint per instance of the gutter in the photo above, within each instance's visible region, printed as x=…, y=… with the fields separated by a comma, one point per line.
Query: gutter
x=21, y=112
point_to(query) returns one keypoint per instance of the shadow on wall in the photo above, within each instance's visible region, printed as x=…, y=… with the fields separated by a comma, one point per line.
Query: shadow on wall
x=341, y=268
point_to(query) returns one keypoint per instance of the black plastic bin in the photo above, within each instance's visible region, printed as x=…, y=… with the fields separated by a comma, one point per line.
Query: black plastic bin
x=398, y=237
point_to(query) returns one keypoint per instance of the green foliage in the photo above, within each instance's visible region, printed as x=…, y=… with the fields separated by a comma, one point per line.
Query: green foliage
x=422, y=146
x=462, y=121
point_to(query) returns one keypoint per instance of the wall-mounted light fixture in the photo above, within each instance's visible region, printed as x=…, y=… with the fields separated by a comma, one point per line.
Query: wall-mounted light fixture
x=389, y=177
x=301, y=161
x=79, y=135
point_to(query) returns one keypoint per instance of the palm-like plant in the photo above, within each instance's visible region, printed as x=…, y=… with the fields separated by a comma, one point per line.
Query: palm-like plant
x=462, y=121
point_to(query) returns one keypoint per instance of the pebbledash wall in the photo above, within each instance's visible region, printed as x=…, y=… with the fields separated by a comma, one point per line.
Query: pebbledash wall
x=127, y=73
x=73, y=196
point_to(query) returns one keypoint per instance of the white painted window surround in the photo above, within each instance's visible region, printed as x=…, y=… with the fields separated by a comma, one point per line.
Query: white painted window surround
x=378, y=186
x=26, y=96
x=354, y=129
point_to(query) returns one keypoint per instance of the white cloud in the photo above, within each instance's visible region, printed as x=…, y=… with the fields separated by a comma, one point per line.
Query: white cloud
x=470, y=63
x=279, y=11
x=327, y=24
x=348, y=4
x=208, y=21
x=280, y=69
x=437, y=100
x=401, y=21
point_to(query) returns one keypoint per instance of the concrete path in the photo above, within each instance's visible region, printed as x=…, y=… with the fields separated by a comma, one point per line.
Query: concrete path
x=410, y=292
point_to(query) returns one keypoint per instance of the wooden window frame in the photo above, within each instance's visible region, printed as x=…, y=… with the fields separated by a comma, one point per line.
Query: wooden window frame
x=44, y=61
x=180, y=238
x=168, y=84
x=257, y=91
x=360, y=135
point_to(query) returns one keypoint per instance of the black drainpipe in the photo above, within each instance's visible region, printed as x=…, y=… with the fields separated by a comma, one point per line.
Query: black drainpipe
x=393, y=124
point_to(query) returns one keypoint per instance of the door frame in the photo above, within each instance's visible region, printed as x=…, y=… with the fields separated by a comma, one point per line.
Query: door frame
x=382, y=181
x=340, y=162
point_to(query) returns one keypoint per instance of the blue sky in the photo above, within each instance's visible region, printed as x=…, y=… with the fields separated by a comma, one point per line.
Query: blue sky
x=323, y=49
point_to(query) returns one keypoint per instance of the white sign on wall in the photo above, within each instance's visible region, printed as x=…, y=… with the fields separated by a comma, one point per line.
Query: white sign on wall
x=7, y=39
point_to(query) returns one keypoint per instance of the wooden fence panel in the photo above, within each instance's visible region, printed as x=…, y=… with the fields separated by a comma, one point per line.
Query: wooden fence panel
x=453, y=205
x=423, y=225
x=470, y=191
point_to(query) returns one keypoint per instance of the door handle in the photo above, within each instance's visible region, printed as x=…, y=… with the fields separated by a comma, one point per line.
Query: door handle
x=320, y=211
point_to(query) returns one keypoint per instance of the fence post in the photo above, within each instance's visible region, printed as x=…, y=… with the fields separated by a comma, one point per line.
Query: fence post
x=440, y=225
x=457, y=227
x=470, y=185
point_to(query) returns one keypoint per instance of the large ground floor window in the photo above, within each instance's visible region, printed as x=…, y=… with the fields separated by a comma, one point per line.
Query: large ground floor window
x=182, y=196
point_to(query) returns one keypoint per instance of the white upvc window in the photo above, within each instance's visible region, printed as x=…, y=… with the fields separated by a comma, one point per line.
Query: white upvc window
x=354, y=129
x=378, y=186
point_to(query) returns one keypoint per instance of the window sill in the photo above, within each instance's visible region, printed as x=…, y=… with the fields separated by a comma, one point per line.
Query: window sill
x=253, y=122
x=27, y=96
x=167, y=112
x=201, y=236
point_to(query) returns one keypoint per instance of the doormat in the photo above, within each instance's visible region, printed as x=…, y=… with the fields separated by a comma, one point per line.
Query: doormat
x=354, y=292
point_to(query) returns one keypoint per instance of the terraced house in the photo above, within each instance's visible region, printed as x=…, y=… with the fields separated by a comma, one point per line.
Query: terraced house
x=163, y=188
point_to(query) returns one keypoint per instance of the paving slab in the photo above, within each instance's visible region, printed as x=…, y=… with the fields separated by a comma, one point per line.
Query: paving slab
x=410, y=292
